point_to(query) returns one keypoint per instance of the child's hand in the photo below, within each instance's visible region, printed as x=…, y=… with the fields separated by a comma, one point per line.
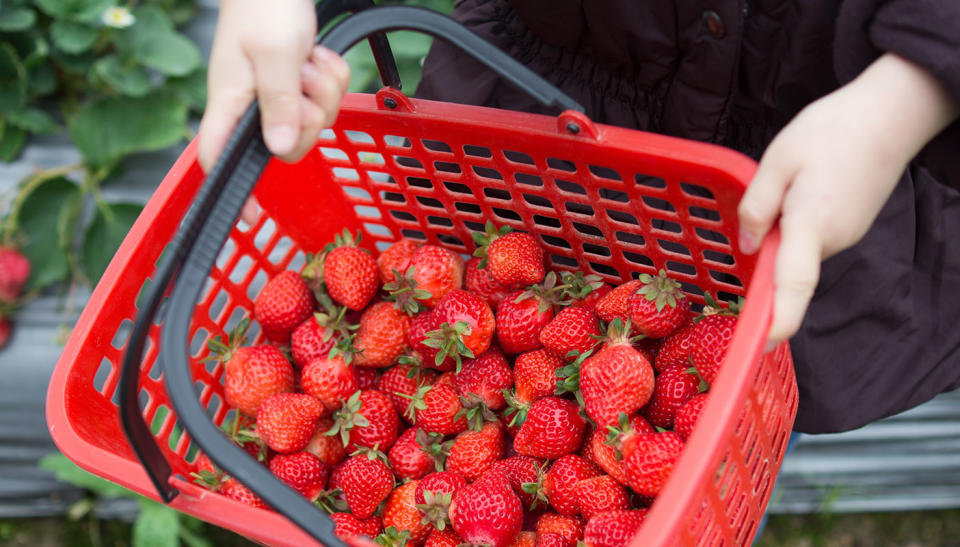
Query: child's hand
x=831, y=169
x=266, y=49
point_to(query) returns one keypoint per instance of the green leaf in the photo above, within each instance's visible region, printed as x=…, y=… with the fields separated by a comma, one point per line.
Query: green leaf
x=181, y=11
x=39, y=217
x=153, y=41
x=74, y=10
x=80, y=63
x=192, y=88
x=72, y=37
x=43, y=80
x=115, y=126
x=11, y=141
x=104, y=236
x=156, y=526
x=128, y=80
x=16, y=19
x=13, y=80
x=34, y=120
x=68, y=472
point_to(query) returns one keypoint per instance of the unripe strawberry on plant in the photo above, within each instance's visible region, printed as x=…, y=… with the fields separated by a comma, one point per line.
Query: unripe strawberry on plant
x=514, y=259
x=349, y=273
x=14, y=272
x=282, y=305
x=658, y=307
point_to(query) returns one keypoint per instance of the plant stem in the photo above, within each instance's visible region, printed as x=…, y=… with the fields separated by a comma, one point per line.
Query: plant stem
x=27, y=186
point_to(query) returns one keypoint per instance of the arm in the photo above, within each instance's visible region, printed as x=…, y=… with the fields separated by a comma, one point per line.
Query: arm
x=831, y=169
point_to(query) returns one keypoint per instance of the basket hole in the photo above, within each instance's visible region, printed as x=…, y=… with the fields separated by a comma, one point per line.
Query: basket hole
x=458, y=188
x=214, y=406
x=681, y=268
x=378, y=230
x=724, y=277
x=451, y=240
x=572, y=187
x=579, y=208
x=630, y=238
x=429, y=202
x=537, y=201
x=474, y=226
x=673, y=247
x=241, y=269
x=327, y=135
x=334, y=153
x=467, y=207
x=402, y=215
x=396, y=141
x=175, y=435
x=161, y=311
x=199, y=341
x=226, y=253
x=477, y=151
x=658, y=203
x=143, y=399
x=561, y=165
x=649, y=181
x=156, y=370
x=219, y=302
x=213, y=367
x=614, y=195
x=122, y=334
x=620, y=216
x=542, y=220
x=596, y=249
x=494, y=193
x=366, y=211
x=408, y=162
x=605, y=172
x=518, y=157
x=528, y=179
x=346, y=173
x=436, y=146
x=394, y=197
x=711, y=235
x=382, y=245
x=666, y=226
x=160, y=416
x=256, y=284
x=236, y=316
x=708, y=214
x=358, y=136
x=555, y=241
x=371, y=157
x=486, y=172
x=439, y=221
x=356, y=193
x=638, y=258
x=103, y=372
x=413, y=234
x=420, y=182
x=506, y=214
x=603, y=269
x=565, y=261
x=690, y=288
x=282, y=247
x=696, y=190
x=447, y=167
x=715, y=256
x=381, y=177
x=298, y=262
x=588, y=229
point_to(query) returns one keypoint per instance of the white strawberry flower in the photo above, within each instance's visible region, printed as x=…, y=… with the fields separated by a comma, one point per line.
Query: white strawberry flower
x=117, y=17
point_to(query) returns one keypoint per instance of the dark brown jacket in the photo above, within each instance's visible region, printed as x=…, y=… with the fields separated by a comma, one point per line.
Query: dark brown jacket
x=883, y=332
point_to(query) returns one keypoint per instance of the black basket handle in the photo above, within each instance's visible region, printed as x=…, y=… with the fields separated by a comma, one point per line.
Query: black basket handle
x=205, y=228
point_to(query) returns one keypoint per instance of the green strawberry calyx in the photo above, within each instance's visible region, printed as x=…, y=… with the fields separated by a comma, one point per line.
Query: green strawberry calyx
x=332, y=501
x=515, y=408
x=476, y=412
x=433, y=445
x=371, y=453
x=404, y=294
x=713, y=307
x=549, y=294
x=449, y=340
x=211, y=480
x=704, y=385
x=348, y=417
x=483, y=239
x=435, y=508
x=662, y=290
x=569, y=375
x=345, y=348
x=536, y=488
x=392, y=537
x=617, y=434
x=578, y=286
x=416, y=401
x=220, y=351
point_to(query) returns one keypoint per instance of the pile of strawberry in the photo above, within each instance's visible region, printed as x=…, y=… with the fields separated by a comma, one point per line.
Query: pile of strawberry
x=14, y=271
x=489, y=402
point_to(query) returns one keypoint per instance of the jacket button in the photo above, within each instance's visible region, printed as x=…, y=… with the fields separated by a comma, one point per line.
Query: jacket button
x=714, y=24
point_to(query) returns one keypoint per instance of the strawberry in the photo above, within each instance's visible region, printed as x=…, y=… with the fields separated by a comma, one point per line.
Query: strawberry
x=234, y=489
x=391, y=537
x=485, y=376
x=287, y=421
x=14, y=272
x=550, y=539
x=524, y=539
x=382, y=336
x=523, y=314
x=599, y=494
x=674, y=387
x=583, y=291
x=5, y=328
x=396, y=258
x=282, y=305
x=437, y=409
x=487, y=512
x=659, y=307
x=613, y=305
x=366, y=377
x=434, y=494
x=465, y=327
x=302, y=471
x=367, y=419
x=687, y=416
x=572, y=330
x=366, y=481
x=525, y=477
x=349, y=272
x=401, y=382
x=448, y=379
x=417, y=453
x=606, y=456
x=559, y=481
x=252, y=373
x=401, y=512
x=711, y=336
x=649, y=459
x=649, y=348
x=443, y=538
x=347, y=526
x=675, y=350
x=433, y=272
x=475, y=451
x=480, y=283
x=330, y=380
x=616, y=379
x=514, y=259
x=535, y=375
x=568, y=527
x=613, y=528
x=329, y=449
x=553, y=427
x=311, y=340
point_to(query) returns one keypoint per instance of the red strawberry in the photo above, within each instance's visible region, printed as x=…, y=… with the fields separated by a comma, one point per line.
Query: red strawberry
x=282, y=305
x=367, y=419
x=404, y=380
x=600, y=494
x=14, y=272
x=382, y=336
x=5, y=328
x=525, y=539
x=366, y=481
x=448, y=379
x=553, y=427
x=234, y=489
x=443, y=538
x=310, y=340
x=613, y=305
x=605, y=456
x=573, y=329
x=616, y=379
x=396, y=258
x=675, y=350
x=535, y=375
x=687, y=416
x=401, y=512
x=568, y=527
x=466, y=327
x=648, y=347
x=287, y=421
x=326, y=447
x=550, y=540
x=348, y=526
x=649, y=459
x=487, y=512
x=436, y=409
x=434, y=494
x=485, y=376
x=674, y=387
x=350, y=273
x=559, y=481
x=711, y=336
x=659, y=307
x=424, y=324
x=613, y=528
x=433, y=272
x=522, y=315
x=417, y=453
x=330, y=380
x=252, y=373
x=525, y=475
x=302, y=471
x=480, y=283
x=366, y=377
x=475, y=451
x=514, y=259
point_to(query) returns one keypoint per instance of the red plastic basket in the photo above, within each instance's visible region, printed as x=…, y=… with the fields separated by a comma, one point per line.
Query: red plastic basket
x=605, y=200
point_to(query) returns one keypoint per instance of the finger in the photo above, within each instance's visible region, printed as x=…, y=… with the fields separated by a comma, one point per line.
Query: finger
x=796, y=274
x=229, y=94
x=760, y=206
x=325, y=79
x=250, y=212
x=277, y=75
x=313, y=122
